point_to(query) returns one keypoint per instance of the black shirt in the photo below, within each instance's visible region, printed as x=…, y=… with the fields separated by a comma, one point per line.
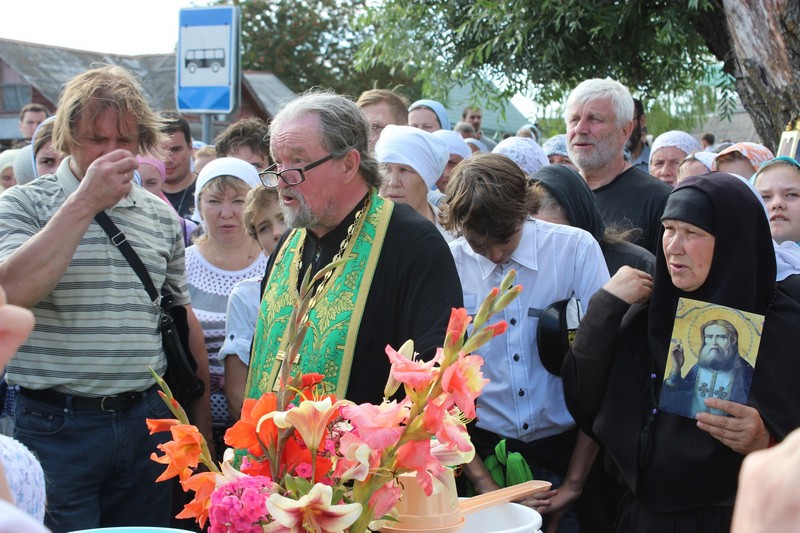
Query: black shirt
x=182, y=201
x=414, y=288
x=634, y=199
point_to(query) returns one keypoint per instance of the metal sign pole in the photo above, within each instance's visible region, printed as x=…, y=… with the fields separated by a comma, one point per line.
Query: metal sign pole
x=206, y=117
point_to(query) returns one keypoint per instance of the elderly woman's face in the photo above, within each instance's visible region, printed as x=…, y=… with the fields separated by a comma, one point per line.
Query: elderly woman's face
x=664, y=163
x=688, y=251
x=402, y=185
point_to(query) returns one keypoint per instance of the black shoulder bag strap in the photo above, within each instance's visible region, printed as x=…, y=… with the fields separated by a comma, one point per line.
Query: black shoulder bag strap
x=181, y=364
x=118, y=239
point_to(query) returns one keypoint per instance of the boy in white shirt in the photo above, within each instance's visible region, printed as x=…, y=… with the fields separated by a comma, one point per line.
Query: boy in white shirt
x=489, y=204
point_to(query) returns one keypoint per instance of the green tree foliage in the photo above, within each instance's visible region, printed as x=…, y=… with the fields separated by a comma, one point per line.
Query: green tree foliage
x=543, y=47
x=308, y=43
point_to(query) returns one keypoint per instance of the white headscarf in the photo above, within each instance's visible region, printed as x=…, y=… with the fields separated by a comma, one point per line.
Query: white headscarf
x=455, y=142
x=223, y=166
x=707, y=158
x=675, y=139
x=524, y=152
x=413, y=147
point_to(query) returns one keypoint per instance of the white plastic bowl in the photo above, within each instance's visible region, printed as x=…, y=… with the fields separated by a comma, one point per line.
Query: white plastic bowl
x=504, y=518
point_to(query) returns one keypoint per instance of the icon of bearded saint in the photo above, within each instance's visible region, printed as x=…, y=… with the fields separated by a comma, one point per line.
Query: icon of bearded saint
x=720, y=372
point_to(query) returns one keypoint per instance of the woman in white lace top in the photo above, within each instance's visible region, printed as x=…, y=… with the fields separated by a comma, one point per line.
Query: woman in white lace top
x=224, y=255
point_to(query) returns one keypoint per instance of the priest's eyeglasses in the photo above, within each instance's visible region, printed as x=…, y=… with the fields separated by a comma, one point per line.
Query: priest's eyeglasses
x=294, y=176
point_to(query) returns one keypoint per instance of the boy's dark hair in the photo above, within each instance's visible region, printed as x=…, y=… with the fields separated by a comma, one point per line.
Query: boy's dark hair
x=251, y=132
x=489, y=197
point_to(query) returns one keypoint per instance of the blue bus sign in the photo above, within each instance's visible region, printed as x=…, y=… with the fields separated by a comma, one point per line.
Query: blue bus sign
x=207, y=65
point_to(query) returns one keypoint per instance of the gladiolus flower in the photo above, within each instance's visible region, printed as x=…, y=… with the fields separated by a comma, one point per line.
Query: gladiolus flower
x=416, y=456
x=243, y=434
x=449, y=456
x=485, y=310
x=385, y=498
x=312, y=512
x=203, y=485
x=443, y=420
x=457, y=327
x=507, y=297
x=157, y=425
x=464, y=380
x=498, y=328
x=416, y=374
x=355, y=460
x=180, y=454
x=392, y=384
x=377, y=425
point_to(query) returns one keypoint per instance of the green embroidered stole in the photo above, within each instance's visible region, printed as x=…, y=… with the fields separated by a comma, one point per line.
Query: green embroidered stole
x=329, y=344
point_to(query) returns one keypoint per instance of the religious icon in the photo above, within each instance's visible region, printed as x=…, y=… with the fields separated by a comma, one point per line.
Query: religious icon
x=724, y=345
x=789, y=140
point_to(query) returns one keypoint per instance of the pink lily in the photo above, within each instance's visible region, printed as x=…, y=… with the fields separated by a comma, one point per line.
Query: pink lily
x=312, y=512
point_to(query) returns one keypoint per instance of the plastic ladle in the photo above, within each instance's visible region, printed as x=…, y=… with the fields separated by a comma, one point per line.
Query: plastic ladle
x=500, y=496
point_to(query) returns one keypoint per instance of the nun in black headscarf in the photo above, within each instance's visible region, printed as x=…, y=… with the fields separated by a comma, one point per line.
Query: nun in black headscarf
x=566, y=199
x=680, y=473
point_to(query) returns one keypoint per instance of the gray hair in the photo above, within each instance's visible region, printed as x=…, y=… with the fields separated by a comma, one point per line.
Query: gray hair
x=596, y=89
x=464, y=127
x=342, y=125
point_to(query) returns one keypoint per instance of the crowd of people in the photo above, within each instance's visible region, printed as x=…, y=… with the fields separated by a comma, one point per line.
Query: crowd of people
x=405, y=218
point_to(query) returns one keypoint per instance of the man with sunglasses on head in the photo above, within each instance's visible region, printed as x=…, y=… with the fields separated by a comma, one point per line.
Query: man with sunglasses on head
x=396, y=280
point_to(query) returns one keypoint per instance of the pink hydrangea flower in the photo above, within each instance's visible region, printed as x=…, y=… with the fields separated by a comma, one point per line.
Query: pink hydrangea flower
x=240, y=505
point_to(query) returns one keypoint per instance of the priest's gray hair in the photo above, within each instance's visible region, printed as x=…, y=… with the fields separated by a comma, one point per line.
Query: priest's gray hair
x=342, y=126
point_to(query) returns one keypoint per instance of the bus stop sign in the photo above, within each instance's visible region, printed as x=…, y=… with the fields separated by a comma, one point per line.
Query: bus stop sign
x=207, y=61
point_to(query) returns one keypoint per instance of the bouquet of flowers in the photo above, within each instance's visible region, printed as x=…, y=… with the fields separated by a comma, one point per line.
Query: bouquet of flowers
x=307, y=461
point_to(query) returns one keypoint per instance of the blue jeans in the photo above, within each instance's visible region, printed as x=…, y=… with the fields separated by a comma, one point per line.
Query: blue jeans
x=97, y=464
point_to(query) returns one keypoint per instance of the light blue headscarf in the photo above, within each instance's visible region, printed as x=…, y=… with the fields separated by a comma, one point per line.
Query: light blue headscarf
x=436, y=107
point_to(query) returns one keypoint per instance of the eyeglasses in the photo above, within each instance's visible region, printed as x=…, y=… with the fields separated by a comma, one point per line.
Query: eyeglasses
x=294, y=176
